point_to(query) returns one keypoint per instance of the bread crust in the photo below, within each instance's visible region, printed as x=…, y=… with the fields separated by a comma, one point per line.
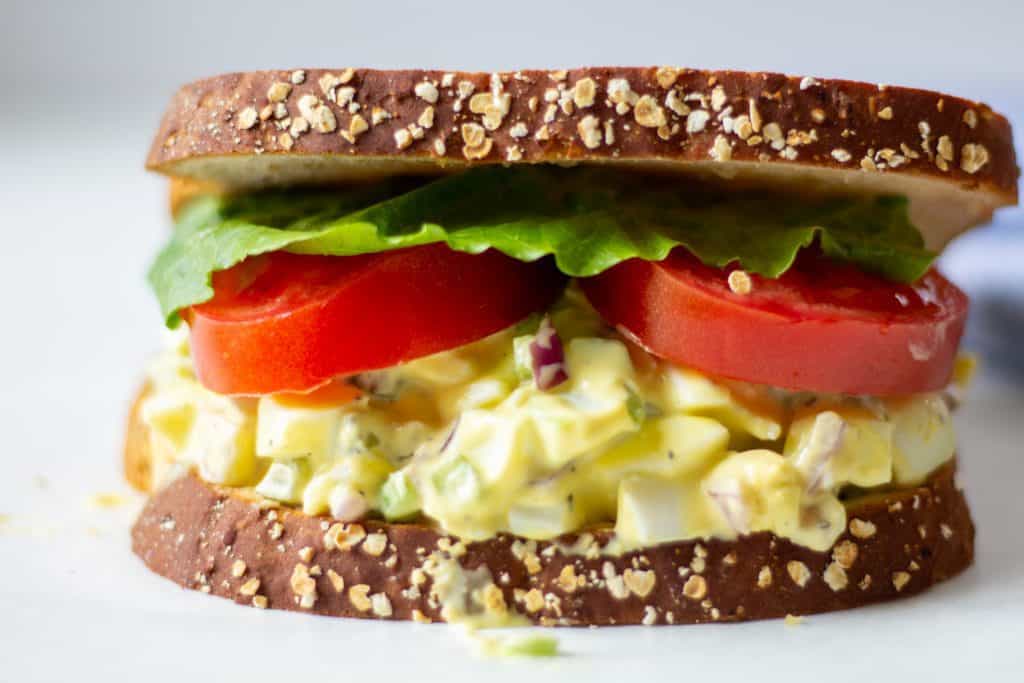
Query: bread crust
x=136, y=455
x=218, y=541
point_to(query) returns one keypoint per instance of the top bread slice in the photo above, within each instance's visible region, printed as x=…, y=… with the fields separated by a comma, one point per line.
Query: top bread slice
x=953, y=158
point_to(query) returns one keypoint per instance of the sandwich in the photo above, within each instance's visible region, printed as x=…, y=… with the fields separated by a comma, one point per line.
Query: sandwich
x=587, y=347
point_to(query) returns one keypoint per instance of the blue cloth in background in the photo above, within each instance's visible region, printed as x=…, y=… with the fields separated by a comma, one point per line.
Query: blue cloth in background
x=988, y=264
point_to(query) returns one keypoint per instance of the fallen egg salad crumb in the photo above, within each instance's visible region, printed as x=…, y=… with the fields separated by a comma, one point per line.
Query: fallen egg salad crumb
x=466, y=440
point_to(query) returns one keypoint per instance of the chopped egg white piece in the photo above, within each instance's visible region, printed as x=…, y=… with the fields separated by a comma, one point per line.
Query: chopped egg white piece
x=222, y=443
x=655, y=510
x=832, y=448
x=170, y=415
x=286, y=430
x=690, y=392
x=759, y=490
x=923, y=437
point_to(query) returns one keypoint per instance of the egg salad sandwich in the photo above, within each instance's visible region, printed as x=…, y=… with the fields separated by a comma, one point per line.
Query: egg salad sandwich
x=598, y=346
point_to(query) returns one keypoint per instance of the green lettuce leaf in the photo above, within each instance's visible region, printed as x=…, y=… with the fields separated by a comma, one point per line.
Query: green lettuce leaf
x=588, y=219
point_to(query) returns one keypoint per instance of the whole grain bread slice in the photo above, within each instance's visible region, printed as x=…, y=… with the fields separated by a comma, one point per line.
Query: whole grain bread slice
x=227, y=543
x=952, y=157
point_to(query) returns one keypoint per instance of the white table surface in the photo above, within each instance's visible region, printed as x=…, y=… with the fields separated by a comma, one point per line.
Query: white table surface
x=75, y=604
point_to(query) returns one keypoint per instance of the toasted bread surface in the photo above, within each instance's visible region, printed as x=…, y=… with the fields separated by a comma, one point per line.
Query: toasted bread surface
x=225, y=542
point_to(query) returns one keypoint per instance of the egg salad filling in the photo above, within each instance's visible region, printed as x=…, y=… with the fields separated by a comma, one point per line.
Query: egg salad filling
x=476, y=441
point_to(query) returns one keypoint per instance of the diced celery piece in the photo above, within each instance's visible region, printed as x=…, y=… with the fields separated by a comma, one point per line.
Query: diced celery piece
x=523, y=357
x=527, y=646
x=284, y=481
x=398, y=498
x=457, y=480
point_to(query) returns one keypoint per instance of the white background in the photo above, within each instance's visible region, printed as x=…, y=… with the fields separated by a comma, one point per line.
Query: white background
x=81, y=91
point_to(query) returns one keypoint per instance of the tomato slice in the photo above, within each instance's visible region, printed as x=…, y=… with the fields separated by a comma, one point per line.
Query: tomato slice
x=288, y=322
x=822, y=326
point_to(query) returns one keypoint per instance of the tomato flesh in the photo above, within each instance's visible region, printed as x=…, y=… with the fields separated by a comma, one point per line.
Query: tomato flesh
x=822, y=326
x=287, y=322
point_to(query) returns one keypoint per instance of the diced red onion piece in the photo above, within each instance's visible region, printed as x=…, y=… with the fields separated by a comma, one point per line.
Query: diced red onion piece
x=548, y=357
x=349, y=506
x=451, y=435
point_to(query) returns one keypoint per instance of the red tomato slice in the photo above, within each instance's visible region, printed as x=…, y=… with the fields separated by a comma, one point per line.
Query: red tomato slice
x=286, y=322
x=823, y=326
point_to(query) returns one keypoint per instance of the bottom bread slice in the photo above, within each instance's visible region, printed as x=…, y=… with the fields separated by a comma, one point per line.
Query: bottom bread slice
x=224, y=543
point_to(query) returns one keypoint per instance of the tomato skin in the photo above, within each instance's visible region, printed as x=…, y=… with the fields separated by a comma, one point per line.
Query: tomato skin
x=288, y=322
x=822, y=326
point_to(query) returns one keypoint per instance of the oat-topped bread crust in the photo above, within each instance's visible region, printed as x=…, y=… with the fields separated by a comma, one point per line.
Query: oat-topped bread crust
x=954, y=158
x=218, y=541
